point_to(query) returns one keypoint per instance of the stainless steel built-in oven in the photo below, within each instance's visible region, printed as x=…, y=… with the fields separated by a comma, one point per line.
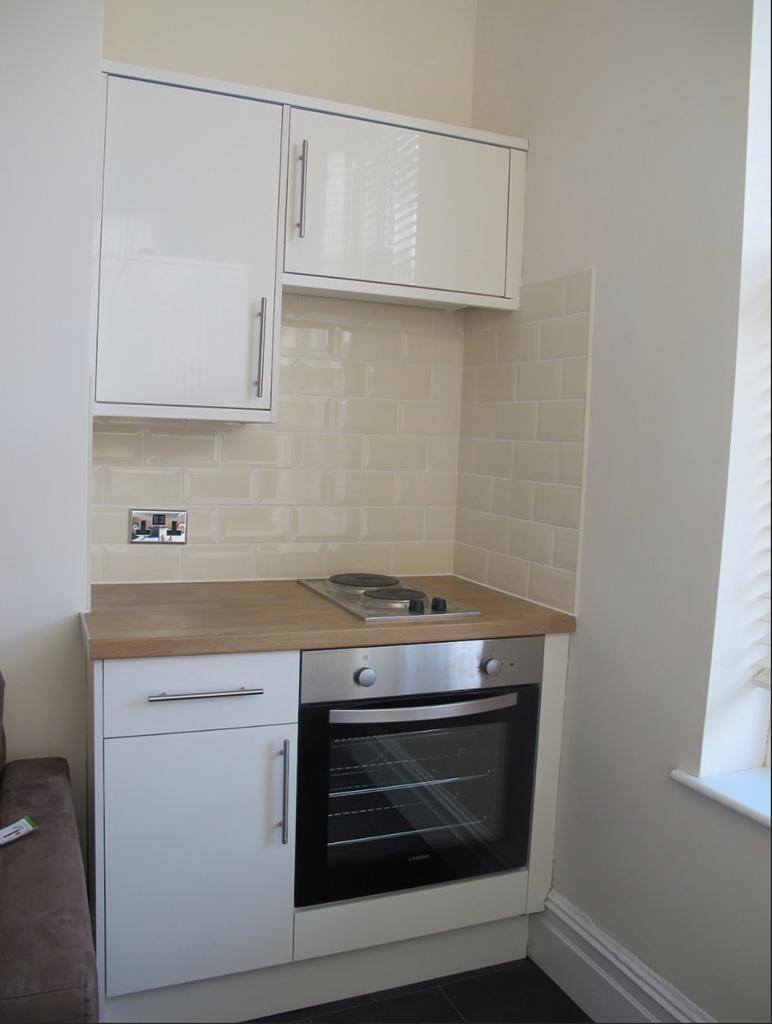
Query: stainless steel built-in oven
x=416, y=765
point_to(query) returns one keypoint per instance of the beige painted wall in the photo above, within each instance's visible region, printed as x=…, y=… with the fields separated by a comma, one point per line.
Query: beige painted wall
x=49, y=59
x=636, y=116
x=411, y=57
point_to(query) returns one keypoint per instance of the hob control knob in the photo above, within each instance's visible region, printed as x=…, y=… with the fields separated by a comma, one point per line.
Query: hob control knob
x=491, y=667
x=365, y=676
x=439, y=604
x=416, y=607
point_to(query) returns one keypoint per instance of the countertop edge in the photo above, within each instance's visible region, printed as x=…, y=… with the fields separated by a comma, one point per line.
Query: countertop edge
x=139, y=640
x=163, y=647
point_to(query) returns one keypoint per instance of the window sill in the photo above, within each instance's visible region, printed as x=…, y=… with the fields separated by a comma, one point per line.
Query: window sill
x=746, y=792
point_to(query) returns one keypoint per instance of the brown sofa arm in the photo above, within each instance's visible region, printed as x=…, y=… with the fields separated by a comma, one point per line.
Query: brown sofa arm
x=47, y=963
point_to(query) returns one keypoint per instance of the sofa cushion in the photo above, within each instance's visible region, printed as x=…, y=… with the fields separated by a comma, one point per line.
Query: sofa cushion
x=47, y=964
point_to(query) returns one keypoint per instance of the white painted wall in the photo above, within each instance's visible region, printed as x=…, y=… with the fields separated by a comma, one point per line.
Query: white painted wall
x=49, y=54
x=636, y=117
x=400, y=55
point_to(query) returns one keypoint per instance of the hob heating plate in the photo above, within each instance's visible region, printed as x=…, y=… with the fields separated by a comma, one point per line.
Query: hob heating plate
x=376, y=598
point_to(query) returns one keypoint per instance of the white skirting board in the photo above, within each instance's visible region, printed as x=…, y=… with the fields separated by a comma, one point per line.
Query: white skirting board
x=604, y=978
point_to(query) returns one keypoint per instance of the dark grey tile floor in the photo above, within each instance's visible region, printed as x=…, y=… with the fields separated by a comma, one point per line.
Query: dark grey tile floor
x=506, y=994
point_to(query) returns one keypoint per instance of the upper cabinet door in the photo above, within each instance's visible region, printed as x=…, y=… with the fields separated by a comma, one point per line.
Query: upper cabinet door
x=188, y=277
x=372, y=202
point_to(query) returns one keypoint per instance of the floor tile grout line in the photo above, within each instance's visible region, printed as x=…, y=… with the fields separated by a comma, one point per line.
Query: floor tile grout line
x=463, y=1018
x=461, y=976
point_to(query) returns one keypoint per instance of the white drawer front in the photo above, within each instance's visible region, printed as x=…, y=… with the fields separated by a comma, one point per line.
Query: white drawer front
x=143, y=696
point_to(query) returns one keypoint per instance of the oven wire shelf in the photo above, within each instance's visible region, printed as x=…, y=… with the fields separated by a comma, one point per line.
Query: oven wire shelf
x=409, y=832
x=336, y=793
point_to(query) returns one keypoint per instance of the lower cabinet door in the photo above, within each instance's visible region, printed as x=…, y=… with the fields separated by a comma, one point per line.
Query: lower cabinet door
x=198, y=865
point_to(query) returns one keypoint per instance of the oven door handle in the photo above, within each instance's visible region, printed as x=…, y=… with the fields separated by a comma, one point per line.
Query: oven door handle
x=377, y=716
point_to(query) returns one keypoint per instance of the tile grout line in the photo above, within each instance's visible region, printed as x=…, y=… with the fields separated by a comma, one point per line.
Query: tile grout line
x=463, y=1018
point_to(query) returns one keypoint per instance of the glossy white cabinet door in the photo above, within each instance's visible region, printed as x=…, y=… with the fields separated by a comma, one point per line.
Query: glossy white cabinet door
x=188, y=256
x=395, y=205
x=197, y=880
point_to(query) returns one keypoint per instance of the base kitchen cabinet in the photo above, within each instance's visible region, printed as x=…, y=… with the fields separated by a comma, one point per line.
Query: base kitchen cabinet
x=198, y=849
x=191, y=794
x=197, y=881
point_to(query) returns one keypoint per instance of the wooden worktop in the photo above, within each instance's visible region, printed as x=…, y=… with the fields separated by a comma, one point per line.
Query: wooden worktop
x=142, y=620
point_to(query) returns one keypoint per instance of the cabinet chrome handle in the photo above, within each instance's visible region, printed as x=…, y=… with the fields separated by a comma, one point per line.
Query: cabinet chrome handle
x=243, y=692
x=285, y=793
x=303, y=187
x=355, y=716
x=260, y=315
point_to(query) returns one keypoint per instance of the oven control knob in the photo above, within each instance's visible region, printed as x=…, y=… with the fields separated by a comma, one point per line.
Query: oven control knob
x=491, y=667
x=365, y=676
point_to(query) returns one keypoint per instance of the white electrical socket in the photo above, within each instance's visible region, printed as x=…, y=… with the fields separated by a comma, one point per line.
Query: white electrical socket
x=150, y=526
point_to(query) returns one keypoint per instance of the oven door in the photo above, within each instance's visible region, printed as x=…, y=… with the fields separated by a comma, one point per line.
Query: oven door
x=393, y=795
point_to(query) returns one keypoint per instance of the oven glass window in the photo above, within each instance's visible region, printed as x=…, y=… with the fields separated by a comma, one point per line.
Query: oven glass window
x=433, y=788
x=393, y=804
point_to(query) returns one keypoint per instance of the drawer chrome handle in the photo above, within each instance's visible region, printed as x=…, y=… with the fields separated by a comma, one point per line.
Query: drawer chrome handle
x=285, y=793
x=303, y=188
x=243, y=692
x=374, y=716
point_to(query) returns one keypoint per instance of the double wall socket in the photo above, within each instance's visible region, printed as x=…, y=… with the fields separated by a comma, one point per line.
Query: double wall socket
x=149, y=526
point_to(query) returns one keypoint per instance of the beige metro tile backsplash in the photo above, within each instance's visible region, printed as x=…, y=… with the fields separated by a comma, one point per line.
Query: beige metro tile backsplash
x=360, y=472
x=522, y=442
x=409, y=440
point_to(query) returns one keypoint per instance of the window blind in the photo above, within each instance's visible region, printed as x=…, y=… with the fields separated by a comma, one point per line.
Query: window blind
x=761, y=542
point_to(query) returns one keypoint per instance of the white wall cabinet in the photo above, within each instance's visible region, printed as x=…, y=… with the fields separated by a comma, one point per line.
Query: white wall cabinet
x=189, y=292
x=382, y=209
x=193, y=817
x=206, y=184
